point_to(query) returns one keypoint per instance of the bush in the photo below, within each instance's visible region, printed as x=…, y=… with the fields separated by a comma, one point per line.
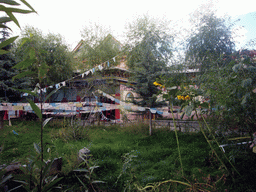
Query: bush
x=71, y=130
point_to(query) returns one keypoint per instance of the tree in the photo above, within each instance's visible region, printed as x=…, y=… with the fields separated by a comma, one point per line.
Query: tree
x=149, y=50
x=10, y=18
x=7, y=86
x=51, y=51
x=98, y=46
x=231, y=90
x=211, y=40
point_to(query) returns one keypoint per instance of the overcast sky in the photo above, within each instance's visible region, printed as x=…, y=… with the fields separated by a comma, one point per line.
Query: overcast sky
x=69, y=17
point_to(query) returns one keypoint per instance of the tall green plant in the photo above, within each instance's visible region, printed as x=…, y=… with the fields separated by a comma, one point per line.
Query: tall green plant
x=33, y=60
x=10, y=7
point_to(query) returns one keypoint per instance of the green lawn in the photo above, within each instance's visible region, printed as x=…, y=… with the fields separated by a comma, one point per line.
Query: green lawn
x=127, y=157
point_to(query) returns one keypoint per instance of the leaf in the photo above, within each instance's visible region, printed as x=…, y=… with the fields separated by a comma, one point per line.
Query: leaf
x=2, y=52
x=28, y=5
x=171, y=88
x=94, y=167
x=80, y=181
x=42, y=70
x=182, y=115
x=13, y=18
x=245, y=97
x=46, y=169
x=15, y=188
x=24, y=40
x=19, y=181
x=32, y=53
x=24, y=64
x=14, y=10
x=23, y=74
x=246, y=82
x=5, y=19
x=98, y=182
x=3, y=180
x=35, y=109
x=205, y=105
x=9, y=2
x=46, y=121
x=5, y=27
x=26, y=91
x=236, y=67
x=52, y=183
x=37, y=148
x=251, y=69
x=81, y=170
x=8, y=42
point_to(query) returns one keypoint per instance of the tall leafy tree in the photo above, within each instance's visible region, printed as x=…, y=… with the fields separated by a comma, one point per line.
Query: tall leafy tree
x=50, y=51
x=149, y=50
x=210, y=41
x=98, y=46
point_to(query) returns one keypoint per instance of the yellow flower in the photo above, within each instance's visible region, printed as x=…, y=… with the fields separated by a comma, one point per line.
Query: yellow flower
x=187, y=97
x=157, y=84
x=179, y=97
x=182, y=97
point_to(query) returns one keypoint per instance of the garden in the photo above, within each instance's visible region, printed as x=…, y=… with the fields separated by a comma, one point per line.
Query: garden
x=213, y=84
x=125, y=159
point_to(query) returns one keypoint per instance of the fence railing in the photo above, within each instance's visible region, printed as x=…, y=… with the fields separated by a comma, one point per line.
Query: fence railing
x=182, y=125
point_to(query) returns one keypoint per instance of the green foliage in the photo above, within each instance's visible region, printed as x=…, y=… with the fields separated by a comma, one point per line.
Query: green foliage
x=72, y=130
x=98, y=46
x=230, y=90
x=86, y=175
x=10, y=17
x=211, y=40
x=47, y=56
x=7, y=61
x=18, y=147
x=149, y=46
x=142, y=161
x=30, y=180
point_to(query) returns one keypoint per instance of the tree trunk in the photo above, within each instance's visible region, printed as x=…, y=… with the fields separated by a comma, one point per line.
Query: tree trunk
x=150, y=123
x=1, y=119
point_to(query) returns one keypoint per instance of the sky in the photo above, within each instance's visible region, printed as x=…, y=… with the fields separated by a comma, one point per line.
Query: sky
x=68, y=18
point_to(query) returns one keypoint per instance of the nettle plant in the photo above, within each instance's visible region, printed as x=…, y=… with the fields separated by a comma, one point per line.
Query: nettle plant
x=37, y=70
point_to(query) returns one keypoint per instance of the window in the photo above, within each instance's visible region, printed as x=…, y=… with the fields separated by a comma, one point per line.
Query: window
x=129, y=97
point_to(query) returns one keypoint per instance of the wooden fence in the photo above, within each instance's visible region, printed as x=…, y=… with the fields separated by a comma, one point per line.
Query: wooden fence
x=182, y=125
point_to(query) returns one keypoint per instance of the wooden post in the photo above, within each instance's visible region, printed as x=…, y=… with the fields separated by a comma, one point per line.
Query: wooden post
x=150, y=123
x=1, y=119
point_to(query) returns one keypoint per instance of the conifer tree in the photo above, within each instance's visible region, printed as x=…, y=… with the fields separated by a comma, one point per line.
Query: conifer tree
x=7, y=61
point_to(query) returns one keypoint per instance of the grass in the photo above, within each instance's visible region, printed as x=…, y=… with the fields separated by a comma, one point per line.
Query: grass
x=127, y=157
